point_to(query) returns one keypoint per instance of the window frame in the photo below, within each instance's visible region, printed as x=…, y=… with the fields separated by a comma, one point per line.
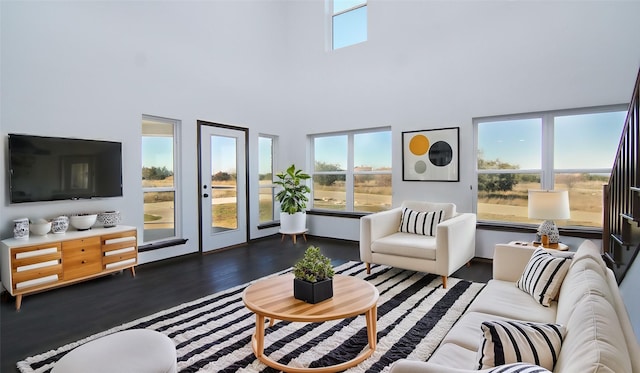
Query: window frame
x=176, y=188
x=546, y=171
x=350, y=173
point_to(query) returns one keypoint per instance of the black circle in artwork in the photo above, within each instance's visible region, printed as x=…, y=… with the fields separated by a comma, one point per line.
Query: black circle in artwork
x=440, y=153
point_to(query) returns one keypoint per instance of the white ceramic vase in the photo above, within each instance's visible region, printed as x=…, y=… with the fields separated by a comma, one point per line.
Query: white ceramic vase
x=293, y=223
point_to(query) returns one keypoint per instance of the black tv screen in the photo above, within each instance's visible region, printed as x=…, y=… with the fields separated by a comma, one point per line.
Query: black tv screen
x=54, y=168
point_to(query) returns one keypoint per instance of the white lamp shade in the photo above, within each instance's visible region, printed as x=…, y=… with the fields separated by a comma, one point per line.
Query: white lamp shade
x=549, y=204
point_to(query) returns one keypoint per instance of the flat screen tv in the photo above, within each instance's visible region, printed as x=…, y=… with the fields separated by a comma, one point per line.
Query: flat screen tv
x=54, y=168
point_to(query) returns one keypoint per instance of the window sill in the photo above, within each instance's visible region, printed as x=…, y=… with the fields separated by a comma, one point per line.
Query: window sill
x=337, y=214
x=161, y=244
x=581, y=232
x=270, y=224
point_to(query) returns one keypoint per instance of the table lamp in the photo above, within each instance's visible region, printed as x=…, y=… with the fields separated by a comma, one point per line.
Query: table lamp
x=549, y=205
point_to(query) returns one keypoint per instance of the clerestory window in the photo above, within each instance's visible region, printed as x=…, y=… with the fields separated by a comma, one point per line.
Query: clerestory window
x=349, y=22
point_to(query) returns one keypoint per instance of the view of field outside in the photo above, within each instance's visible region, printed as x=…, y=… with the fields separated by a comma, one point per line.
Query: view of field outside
x=158, y=179
x=510, y=162
x=370, y=171
x=585, y=200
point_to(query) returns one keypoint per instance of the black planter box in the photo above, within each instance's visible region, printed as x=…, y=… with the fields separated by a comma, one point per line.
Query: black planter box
x=312, y=292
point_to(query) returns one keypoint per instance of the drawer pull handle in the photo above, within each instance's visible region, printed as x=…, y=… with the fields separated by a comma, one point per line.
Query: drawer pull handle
x=84, y=262
x=82, y=250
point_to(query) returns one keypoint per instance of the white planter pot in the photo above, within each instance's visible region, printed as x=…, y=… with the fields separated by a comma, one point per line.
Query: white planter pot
x=293, y=223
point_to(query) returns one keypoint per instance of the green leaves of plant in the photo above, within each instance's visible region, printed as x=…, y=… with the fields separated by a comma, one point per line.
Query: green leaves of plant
x=314, y=266
x=293, y=196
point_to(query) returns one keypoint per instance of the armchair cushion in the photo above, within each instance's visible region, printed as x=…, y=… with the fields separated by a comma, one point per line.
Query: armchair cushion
x=407, y=245
x=420, y=222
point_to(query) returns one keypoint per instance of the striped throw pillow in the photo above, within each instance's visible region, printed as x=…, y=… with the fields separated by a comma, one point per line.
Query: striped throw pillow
x=420, y=222
x=517, y=368
x=543, y=276
x=508, y=342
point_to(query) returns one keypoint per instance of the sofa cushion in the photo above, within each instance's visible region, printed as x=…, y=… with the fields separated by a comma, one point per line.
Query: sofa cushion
x=420, y=222
x=589, y=251
x=594, y=341
x=453, y=356
x=583, y=278
x=502, y=298
x=466, y=331
x=407, y=244
x=543, y=276
x=508, y=342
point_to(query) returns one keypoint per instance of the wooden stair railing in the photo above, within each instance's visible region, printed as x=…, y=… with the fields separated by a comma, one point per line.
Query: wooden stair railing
x=621, y=196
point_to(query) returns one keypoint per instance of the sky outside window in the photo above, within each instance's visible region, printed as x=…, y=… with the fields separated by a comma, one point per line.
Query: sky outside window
x=349, y=22
x=587, y=140
x=517, y=142
x=157, y=152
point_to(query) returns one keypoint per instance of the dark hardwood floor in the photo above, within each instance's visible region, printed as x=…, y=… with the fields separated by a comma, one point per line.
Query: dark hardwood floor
x=51, y=319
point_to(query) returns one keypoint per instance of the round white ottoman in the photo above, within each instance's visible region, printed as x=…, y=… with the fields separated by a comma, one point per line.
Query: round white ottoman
x=135, y=351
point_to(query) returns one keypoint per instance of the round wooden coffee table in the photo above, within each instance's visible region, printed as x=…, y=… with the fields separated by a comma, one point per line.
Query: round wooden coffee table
x=273, y=298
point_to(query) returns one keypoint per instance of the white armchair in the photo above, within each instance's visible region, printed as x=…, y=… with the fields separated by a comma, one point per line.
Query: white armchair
x=453, y=245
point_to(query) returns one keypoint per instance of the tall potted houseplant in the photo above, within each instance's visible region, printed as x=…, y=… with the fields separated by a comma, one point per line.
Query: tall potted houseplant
x=293, y=199
x=313, y=277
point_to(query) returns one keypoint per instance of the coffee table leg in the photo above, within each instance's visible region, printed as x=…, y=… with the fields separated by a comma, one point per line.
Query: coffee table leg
x=372, y=322
x=259, y=336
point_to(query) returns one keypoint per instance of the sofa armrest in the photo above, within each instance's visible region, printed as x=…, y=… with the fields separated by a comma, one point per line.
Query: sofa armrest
x=509, y=261
x=455, y=242
x=377, y=225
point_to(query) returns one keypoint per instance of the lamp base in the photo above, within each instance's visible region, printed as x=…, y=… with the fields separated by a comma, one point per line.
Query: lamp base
x=550, y=229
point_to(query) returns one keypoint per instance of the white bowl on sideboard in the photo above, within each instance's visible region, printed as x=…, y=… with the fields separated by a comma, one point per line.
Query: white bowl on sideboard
x=82, y=222
x=40, y=228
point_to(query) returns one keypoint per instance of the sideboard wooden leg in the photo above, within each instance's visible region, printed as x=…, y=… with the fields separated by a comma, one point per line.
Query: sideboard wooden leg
x=18, y=302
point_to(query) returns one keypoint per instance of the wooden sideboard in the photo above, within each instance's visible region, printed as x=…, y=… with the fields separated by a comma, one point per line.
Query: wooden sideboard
x=40, y=263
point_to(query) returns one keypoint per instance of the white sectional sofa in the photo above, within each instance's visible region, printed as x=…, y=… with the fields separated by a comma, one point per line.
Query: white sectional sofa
x=599, y=336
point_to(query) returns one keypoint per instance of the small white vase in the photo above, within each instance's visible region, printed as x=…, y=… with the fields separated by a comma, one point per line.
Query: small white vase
x=21, y=229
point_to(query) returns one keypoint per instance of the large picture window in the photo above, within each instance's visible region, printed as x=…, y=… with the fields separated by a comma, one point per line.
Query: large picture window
x=562, y=150
x=159, y=178
x=352, y=171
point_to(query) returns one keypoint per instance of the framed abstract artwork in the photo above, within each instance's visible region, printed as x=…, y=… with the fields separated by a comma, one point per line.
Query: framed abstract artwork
x=431, y=155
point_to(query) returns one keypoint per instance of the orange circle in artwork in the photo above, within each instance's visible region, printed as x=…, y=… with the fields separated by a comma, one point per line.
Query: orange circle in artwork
x=419, y=144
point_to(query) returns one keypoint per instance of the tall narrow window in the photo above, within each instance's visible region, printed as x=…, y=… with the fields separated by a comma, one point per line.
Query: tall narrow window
x=569, y=150
x=349, y=22
x=265, y=171
x=159, y=178
x=352, y=171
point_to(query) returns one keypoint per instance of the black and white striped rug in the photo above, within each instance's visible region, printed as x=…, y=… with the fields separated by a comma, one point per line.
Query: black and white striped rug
x=213, y=334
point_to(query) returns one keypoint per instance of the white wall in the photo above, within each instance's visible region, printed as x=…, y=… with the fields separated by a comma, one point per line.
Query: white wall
x=91, y=69
x=434, y=64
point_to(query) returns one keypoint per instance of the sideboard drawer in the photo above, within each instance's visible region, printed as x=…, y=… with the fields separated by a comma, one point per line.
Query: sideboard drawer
x=81, y=258
x=35, y=265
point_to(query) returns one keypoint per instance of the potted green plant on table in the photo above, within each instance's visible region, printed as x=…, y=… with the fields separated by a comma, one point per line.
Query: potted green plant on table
x=293, y=199
x=313, y=277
